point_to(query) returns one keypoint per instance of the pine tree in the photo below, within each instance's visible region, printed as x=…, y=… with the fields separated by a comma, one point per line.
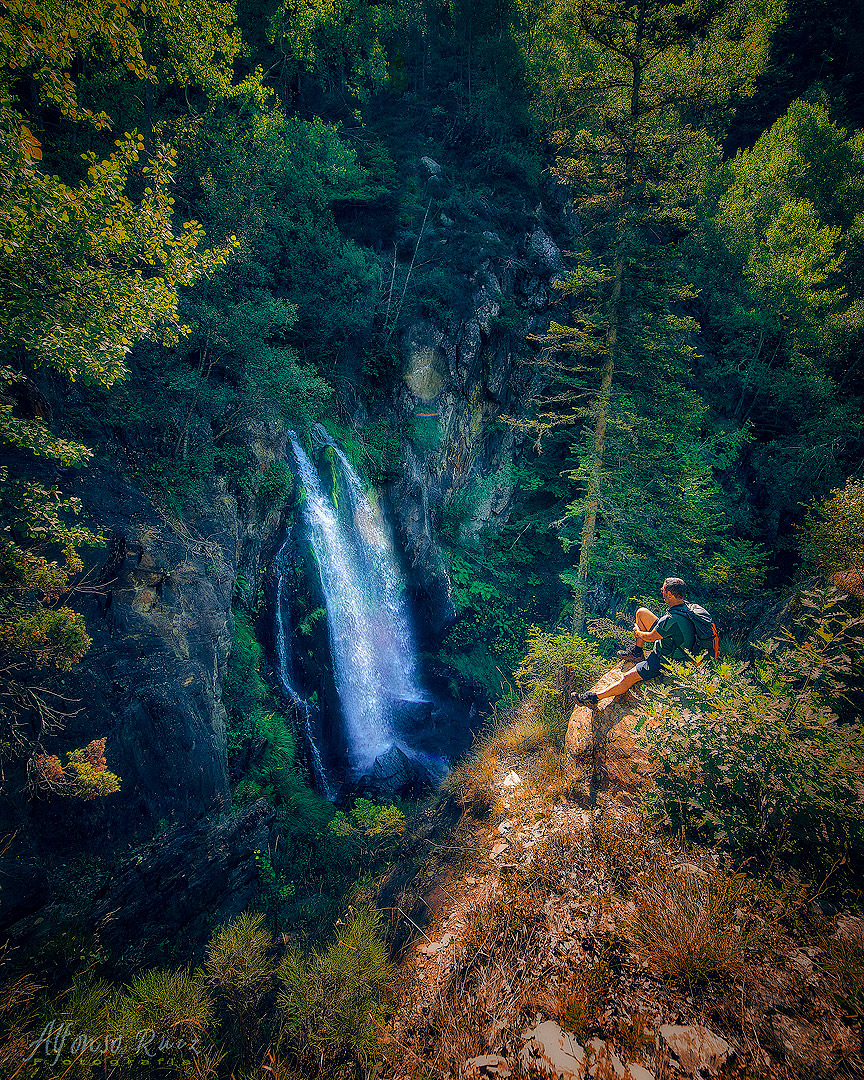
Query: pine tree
x=645, y=82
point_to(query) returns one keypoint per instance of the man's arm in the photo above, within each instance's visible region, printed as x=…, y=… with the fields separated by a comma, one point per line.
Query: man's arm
x=646, y=635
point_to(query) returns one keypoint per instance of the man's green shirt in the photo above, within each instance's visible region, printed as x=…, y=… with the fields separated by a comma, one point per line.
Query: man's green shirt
x=678, y=634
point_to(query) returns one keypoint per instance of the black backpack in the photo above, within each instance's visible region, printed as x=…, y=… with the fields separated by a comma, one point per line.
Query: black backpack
x=707, y=638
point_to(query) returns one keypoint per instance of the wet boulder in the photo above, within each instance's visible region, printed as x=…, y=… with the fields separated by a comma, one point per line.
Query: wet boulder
x=394, y=774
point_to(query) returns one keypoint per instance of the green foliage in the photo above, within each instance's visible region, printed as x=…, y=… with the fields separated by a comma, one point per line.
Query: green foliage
x=172, y=1008
x=88, y=267
x=778, y=261
x=501, y=579
x=646, y=84
x=338, y=40
x=753, y=756
x=833, y=538
x=554, y=668
x=370, y=831
x=240, y=967
x=244, y=689
x=774, y=212
x=275, y=485
x=334, y=1004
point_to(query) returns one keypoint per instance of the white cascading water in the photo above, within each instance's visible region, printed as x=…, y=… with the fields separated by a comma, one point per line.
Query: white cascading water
x=373, y=656
x=391, y=626
x=284, y=672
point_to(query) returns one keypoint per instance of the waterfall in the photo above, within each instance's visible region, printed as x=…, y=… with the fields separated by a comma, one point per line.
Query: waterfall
x=370, y=639
x=397, y=653
x=283, y=668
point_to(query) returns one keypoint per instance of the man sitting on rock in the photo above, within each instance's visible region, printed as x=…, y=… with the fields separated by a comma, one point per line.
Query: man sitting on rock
x=672, y=637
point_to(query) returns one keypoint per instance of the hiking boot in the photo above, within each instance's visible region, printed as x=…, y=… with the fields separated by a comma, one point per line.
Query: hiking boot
x=590, y=698
x=636, y=653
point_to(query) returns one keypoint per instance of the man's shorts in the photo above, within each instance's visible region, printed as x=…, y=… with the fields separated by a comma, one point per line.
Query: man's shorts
x=649, y=668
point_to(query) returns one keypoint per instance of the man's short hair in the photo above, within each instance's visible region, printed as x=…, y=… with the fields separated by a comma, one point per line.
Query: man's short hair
x=676, y=586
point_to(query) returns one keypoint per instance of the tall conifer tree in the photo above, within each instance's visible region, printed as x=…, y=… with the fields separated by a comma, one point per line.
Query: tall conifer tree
x=646, y=83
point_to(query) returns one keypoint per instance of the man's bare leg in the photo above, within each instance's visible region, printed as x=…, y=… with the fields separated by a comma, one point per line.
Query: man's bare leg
x=645, y=620
x=627, y=680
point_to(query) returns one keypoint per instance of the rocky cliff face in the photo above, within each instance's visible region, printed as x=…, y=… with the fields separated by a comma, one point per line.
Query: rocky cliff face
x=464, y=372
x=158, y=607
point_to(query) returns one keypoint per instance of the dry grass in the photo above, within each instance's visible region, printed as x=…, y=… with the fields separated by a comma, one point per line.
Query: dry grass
x=561, y=858
x=475, y=782
x=491, y=980
x=690, y=923
x=584, y=1000
x=525, y=734
x=557, y=778
x=507, y=746
x=624, y=845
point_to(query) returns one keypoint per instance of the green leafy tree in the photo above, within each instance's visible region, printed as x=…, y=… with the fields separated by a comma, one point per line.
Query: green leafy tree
x=778, y=259
x=339, y=41
x=87, y=269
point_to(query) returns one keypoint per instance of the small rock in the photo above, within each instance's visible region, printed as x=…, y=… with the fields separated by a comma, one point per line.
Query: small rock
x=850, y=930
x=431, y=166
x=692, y=868
x=505, y=826
x=695, y=1047
x=496, y=851
x=551, y=1050
x=512, y=779
x=487, y=1065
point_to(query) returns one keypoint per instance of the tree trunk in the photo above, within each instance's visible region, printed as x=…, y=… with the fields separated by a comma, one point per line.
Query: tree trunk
x=601, y=419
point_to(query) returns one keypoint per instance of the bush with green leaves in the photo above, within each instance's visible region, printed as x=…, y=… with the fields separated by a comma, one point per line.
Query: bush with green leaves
x=753, y=756
x=370, y=830
x=167, y=1013
x=333, y=1004
x=833, y=540
x=554, y=667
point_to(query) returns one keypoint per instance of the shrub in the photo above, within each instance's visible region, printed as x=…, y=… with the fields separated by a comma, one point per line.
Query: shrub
x=167, y=1013
x=556, y=666
x=689, y=923
x=370, y=830
x=240, y=967
x=334, y=1004
x=753, y=757
x=833, y=540
x=85, y=775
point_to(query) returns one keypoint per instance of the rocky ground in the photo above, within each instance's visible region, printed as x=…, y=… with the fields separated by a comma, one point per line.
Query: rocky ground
x=560, y=936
